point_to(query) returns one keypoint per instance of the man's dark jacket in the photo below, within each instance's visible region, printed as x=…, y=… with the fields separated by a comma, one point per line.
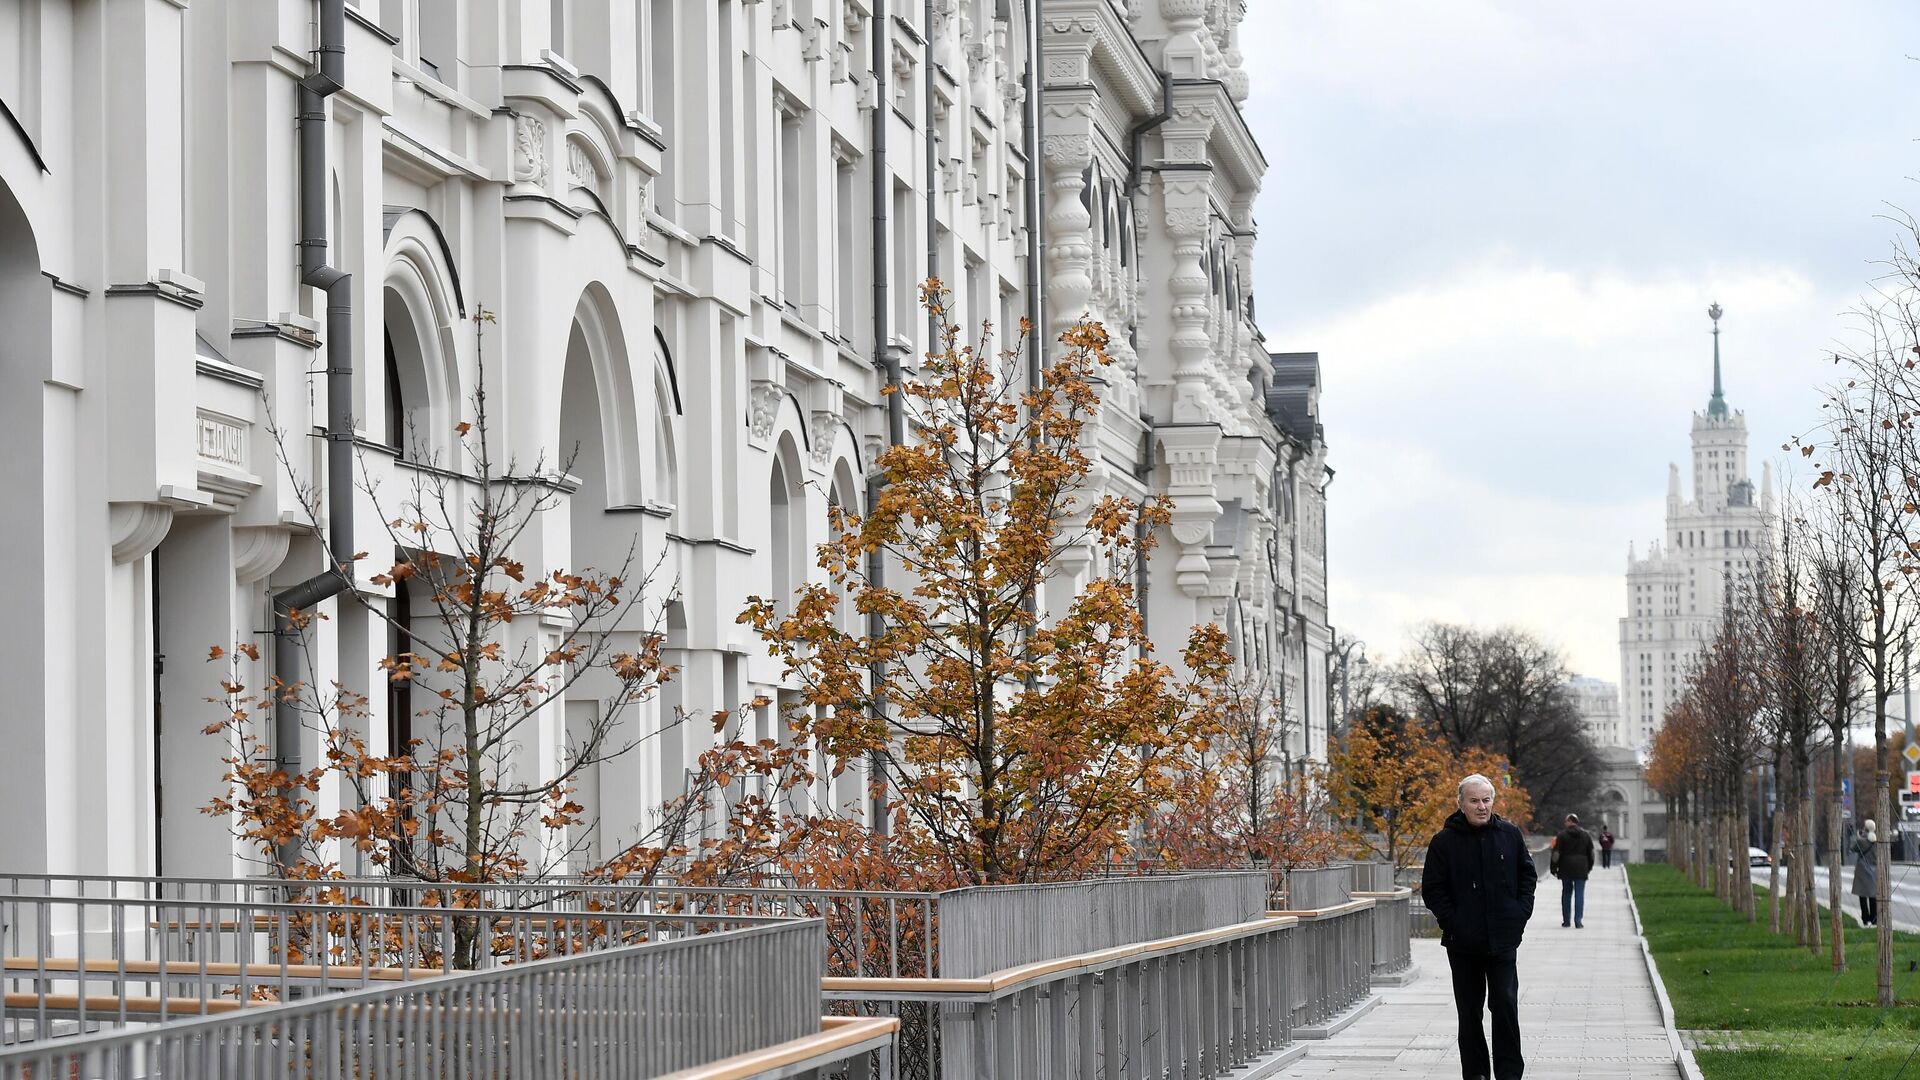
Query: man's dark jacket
x=1479, y=884
x=1573, y=854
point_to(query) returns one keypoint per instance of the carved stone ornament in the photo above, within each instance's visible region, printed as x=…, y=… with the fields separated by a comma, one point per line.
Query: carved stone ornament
x=136, y=528
x=258, y=550
x=1186, y=220
x=1068, y=151
x=823, y=429
x=580, y=169
x=765, y=408
x=529, y=150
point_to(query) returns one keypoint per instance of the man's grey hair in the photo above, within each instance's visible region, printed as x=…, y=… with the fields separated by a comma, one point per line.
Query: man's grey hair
x=1472, y=779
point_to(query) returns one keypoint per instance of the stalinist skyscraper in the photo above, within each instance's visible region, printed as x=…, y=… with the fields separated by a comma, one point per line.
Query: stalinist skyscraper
x=1674, y=593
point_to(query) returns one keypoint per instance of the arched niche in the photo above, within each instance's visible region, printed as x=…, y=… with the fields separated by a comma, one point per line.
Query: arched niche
x=786, y=522
x=597, y=441
x=420, y=384
x=664, y=488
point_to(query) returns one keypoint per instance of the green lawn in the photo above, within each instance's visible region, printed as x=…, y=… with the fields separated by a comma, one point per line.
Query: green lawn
x=1779, y=1011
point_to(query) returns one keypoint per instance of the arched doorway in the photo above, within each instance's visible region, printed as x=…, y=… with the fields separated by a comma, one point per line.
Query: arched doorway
x=25, y=358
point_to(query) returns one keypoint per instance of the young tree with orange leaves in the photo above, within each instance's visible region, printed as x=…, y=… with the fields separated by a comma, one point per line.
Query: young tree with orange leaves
x=1016, y=743
x=488, y=651
x=1393, y=782
x=1234, y=801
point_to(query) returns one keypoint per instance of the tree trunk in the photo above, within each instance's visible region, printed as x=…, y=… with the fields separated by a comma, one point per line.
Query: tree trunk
x=1836, y=922
x=1805, y=863
x=1883, y=848
x=1773, y=876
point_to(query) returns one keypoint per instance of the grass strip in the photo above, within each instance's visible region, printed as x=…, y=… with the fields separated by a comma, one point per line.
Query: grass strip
x=1758, y=1005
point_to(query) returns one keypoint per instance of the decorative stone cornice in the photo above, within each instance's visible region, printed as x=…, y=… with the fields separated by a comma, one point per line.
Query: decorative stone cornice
x=258, y=550
x=136, y=528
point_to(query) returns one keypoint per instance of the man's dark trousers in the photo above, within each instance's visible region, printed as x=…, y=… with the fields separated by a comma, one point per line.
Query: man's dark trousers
x=1480, y=980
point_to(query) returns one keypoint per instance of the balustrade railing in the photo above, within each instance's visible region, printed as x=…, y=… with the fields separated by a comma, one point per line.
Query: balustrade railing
x=72, y=962
x=638, y=1010
x=1155, y=974
x=1392, y=931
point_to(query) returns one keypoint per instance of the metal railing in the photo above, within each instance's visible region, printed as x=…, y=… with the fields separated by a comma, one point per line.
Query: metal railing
x=1196, y=1005
x=1001, y=926
x=631, y=1011
x=1332, y=962
x=68, y=963
x=1314, y=888
x=869, y=933
x=1392, y=930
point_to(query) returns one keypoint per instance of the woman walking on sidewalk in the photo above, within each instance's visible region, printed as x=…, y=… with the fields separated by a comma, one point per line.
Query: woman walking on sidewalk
x=1866, y=873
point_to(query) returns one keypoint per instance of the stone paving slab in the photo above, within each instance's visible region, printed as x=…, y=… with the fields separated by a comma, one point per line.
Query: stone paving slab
x=1587, y=1006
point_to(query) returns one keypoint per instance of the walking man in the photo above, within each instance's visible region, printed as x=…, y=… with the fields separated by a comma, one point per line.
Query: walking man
x=1479, y=883
x=1606, y=848
x=1572, y=861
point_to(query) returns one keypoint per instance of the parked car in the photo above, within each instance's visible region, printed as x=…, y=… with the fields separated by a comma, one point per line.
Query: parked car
x=1758, y=857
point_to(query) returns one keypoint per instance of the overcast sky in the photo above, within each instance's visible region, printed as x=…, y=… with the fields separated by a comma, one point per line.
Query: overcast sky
x=1500, y=223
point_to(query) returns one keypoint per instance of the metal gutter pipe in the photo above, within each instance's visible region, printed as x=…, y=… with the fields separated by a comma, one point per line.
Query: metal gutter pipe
x=887, y=362
x=316, y=272
x=1035, y=244
x=932, y=170
x=1138, y=136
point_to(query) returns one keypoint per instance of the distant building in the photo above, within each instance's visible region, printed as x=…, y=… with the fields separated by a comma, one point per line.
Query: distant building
x=1299, y=558
x=1599, y=705
x=1674, y=593
x=1627, y=805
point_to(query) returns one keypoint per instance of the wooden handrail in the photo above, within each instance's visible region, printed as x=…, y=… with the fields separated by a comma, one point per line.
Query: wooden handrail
x=838, y=1034
x=1009, y=978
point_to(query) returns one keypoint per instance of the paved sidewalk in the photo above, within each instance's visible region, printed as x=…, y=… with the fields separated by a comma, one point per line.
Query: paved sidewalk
x=1587, y=1005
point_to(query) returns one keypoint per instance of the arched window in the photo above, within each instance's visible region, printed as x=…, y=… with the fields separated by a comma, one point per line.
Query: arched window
x=404, y=381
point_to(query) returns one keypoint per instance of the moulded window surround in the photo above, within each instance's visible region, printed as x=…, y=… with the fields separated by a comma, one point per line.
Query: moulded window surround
x=661, y=99
x=846, y=246
x=558, y=36
x=795, y=281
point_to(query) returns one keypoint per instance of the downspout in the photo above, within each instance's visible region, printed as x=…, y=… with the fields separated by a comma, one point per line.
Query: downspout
x=887, y=361
x=1030, y=145
x=1138, y=136
x=933, y=172
x=315, y=272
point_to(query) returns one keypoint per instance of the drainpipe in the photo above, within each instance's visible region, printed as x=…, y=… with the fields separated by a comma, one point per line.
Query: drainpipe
x=933, y=170
x=1030, y=145
x=315, y=272
x=887, y=362
x=1138, y=136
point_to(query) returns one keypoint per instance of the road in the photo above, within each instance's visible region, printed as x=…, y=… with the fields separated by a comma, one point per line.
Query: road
x=1906, y=892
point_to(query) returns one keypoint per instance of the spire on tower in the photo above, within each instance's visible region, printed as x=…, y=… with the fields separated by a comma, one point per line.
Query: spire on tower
x=1716, y=405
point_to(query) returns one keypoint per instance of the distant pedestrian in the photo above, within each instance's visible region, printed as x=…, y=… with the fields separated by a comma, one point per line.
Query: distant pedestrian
x=1606, y=848
x=1571, y=862
x=1866, y=873
x=1478, y=883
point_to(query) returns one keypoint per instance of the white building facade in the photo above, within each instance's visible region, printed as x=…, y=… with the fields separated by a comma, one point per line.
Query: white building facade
x=1674, y=592
x=697, y=223
x=1599, y=704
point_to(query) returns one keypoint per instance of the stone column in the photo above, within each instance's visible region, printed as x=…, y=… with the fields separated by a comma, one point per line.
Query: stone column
x=1191, y=452
x=1068, y=149
x=1187, y=215
x=1185, y=53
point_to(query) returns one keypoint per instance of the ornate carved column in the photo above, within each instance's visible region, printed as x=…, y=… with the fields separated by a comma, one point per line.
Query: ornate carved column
x=1068, y=149
x=1185, y=53
x=1187, y=214
x=1191, y=452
